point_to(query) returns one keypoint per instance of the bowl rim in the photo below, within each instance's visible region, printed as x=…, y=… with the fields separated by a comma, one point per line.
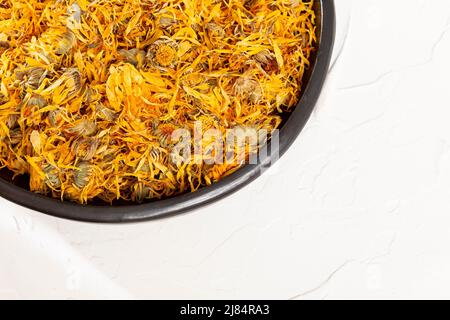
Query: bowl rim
x=209, y=194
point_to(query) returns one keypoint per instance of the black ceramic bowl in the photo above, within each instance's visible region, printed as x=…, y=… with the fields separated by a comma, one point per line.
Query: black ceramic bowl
x=17, y=192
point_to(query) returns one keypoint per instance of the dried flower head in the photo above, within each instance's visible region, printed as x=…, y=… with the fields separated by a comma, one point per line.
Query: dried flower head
x=248, y=89
x=72, y=80
x=85, y=148
x=55, y=118
x=267, y=60
x=65, y=42
x=55, y=40
x=37, y=100
x=134, y=56
x=166, y=20
x=74, y=20
x=140, y=192
x=215, y=30
x=82, y=174
x=52, y=179
x=31, y=78
x=83, y=127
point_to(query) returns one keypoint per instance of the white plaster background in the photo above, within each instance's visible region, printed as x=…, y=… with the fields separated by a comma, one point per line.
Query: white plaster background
x=359, y=207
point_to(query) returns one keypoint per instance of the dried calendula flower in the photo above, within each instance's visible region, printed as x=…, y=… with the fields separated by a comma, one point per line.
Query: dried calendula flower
x=65, y=87
x=215, y=30
x=37, y=100
x=55, y=118
x=93, y=93
x=71, y=78
x=193, y=79
x=15, y=136
x=165, y=131
x=105, y=113
x=166, y=20
x=140, y=192
x=65, y=42
x=85, y=148
x=4, y=43
x=12, y=119
x=83, y=127
x=267, y=59
x=134, y=56
x=58, y=40
x=248, y=88
x=74, y=20
x=82, y=174
x=163, y=53
x=31, y=78
x=35, y=139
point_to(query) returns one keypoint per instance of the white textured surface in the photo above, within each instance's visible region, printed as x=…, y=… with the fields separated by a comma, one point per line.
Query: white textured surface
x=358, y=208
